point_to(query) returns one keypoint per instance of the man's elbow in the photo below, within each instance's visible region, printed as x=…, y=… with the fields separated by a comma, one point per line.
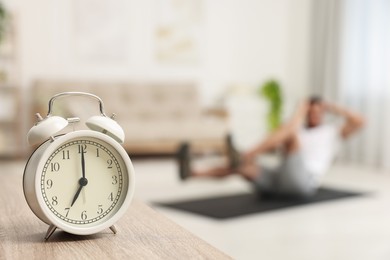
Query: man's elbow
x=359, y=122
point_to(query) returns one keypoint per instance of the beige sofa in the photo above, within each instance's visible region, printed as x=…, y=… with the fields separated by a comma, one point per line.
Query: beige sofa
x=156, y=116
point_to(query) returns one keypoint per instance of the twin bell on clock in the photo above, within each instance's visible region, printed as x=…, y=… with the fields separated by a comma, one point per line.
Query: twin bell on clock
x=82, y=181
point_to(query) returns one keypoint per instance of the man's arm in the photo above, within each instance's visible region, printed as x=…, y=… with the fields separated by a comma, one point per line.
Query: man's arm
x=353, y=120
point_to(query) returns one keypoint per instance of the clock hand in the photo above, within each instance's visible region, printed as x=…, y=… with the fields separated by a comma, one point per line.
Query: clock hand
x=76, y=195
x=83, y=182
x=82, y=163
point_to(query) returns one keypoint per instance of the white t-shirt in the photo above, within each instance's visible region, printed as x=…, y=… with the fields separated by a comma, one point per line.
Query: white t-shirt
x=318, y=148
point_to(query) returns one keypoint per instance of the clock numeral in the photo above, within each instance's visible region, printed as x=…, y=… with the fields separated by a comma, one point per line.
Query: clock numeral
x=54, y=201
x=114, y=179
x=111, y=197
x=55, y=167
x=82, y=148
x=67, y=212
x=84, y=215
x=109, y=162
x=49, y=184
x=65, y=155
x=97, y=152
x=100, y=209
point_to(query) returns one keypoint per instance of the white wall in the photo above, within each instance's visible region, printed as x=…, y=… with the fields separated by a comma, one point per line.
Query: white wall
x=245, y=42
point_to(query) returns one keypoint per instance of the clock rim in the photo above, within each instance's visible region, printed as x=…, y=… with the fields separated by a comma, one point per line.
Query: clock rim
x=93, y=228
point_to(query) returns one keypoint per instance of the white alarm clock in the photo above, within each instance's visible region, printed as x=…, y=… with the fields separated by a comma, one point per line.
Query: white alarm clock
x=83, y=181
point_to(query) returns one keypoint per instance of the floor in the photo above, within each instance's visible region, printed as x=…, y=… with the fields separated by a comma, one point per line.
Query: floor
x=357, y=228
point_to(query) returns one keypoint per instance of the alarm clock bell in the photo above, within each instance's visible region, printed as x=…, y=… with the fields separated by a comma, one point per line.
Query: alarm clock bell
x=44, y=128
x=51, y=125
x=106, y=126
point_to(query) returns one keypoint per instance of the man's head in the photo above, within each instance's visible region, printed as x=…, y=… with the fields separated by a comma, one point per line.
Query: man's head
x=315, y=112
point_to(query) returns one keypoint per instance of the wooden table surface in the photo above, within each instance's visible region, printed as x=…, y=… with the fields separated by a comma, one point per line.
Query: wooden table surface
x=142, y=234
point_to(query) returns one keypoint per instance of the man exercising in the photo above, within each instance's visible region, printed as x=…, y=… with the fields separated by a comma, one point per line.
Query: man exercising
x=309, y=147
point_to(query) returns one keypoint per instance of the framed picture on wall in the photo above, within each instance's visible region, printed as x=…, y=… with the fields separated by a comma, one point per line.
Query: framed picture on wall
x=178, y=31
x=100, y=30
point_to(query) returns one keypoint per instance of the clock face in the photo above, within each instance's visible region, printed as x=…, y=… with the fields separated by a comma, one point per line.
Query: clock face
x=84, y=181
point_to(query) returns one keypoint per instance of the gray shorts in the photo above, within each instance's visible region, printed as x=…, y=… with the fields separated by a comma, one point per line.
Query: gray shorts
x=290, y=178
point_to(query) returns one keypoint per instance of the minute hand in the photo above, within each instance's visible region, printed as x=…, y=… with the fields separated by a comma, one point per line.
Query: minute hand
x=83, y=181
x=82, y=163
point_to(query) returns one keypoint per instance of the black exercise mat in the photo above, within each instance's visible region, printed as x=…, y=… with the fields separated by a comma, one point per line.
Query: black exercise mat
x=249, y=203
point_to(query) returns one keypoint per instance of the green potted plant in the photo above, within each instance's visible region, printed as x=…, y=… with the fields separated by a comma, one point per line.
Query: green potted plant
x=272, y=92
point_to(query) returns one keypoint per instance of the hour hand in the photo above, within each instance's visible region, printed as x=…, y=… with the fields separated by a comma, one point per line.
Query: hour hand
x=82, y=182
x=76, y=195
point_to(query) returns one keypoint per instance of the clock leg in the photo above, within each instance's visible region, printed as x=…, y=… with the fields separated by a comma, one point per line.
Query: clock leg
x=50, y=231
x=113, y=229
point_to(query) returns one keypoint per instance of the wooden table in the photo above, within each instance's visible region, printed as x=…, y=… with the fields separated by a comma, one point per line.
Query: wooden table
x=142, y=234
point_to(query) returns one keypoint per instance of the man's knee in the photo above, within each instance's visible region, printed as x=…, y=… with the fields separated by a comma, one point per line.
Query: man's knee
x=249, y=171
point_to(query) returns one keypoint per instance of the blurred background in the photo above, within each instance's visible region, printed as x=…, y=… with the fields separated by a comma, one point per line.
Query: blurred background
x=175, y=70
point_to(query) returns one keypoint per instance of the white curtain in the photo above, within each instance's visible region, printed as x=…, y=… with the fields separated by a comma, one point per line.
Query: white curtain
x=325, y=35
x=353, y=67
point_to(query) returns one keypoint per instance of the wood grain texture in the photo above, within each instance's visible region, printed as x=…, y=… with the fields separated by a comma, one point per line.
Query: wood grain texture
x=142, y=233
